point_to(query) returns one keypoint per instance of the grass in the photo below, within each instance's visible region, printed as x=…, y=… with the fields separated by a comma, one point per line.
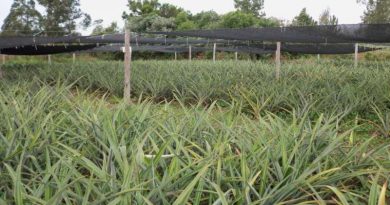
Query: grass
x=284, y=143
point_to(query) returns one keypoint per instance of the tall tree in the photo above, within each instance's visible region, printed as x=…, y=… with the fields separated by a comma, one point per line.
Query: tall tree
x=304, y=19
x=141, y=8
x=62, y=16
x=150, y=15
x=100, y=29
x=326, y=18
x=206, y=19
x=169, y=10
x=254, y=7
x=22, y=19
x=377, y=11
x=238, y=19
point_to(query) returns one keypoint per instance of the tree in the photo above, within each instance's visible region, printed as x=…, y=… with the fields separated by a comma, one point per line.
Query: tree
x=100, y=29
x=238, y=19
x=62, y=15
x=152, y=22
x=254, y=7
x=206, y=19
x=327, y=19
x=169, y=10
x=304, y=19
x=184, y=22
x=150, y=15
x=141, y=8
x=377, y=11
x=22, y=19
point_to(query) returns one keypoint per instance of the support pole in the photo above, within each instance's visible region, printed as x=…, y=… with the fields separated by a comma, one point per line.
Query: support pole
x=175, y=56
x=356, y=55
x=190, y=53
x=277, y=60
x=49, y=59
x=318, y=57
x=214, y=52
x=236, y=55
x=127, y=71
x=74, y=58
x=1, y=65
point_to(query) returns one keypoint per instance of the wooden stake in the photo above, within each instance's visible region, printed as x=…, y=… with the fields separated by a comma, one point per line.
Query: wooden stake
x=190, y=53
x=277, y=60
x=49, y=59
x=127, y=67
x=1, y=69
x=236, y=56
x=214, y=52
x=175, y=56
x=74, y=58
x=318, y=57
x=356, y=54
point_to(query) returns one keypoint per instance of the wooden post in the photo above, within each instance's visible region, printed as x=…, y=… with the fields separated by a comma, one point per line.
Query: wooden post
x=1, y=69
x=318, y=57
x=214, y=52
x=127, y=67
x=175, y=56
x=74, y=58
x=356, y=54
x=190, y=53
x=236, y=55
x=277, y=60
x=49, y=59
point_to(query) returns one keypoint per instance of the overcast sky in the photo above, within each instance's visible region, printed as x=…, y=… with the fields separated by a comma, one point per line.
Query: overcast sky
x=348, y=11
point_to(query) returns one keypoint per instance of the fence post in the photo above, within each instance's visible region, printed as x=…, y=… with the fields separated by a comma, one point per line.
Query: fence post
x=236, y=55
x=1, y=65
x=49, y=59
x=318, y=57
x=175, y=56
x=277, y=60
x=214, y=52
x=74, y=58
x=127, y=68
x=190, y=53
x=356, y=54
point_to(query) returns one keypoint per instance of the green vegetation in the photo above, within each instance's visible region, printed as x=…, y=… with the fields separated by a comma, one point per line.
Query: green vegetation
x=220, y=133
x=377, y=11
x=326, y=87
x=60, y=17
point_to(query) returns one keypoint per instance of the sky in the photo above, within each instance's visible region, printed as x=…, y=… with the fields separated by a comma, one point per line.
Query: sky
x=348, y=11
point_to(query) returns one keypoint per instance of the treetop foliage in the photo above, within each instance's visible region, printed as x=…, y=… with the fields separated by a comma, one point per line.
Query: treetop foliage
x=61, y=17
x=326, y=18
x=23, y=18
x=254, y=7
x=377, y=11
x=150, y=15
x=304, y=19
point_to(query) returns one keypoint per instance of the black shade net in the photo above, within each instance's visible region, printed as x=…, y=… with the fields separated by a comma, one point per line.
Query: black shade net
x=259, y=49
x=12, y=42
x=246, y=49
x=136, y=40
x=338, y=39
x=159, y=49
x=319, y=48
x=348, y=33
x=45, y=50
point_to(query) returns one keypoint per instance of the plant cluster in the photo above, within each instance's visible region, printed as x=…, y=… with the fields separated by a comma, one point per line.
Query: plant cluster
x=64, y=146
